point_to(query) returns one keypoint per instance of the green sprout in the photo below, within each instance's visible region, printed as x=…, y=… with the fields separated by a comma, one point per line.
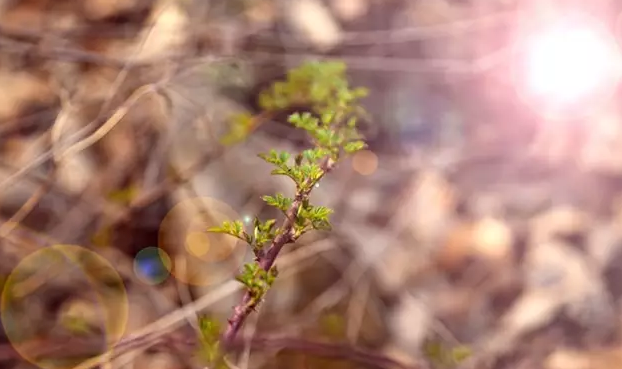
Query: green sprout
x=330, y=123
x=210, y=351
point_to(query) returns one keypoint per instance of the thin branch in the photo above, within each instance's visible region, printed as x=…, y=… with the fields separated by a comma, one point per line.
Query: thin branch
x=405, y=34
x=267, y=259
x=378, y=63
x=23, y=211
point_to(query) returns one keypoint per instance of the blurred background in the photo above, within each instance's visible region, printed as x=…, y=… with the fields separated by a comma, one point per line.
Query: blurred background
x=485, y=215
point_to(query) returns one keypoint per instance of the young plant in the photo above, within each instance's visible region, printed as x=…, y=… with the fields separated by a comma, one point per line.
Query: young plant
x=331, y=126
x=209, y=343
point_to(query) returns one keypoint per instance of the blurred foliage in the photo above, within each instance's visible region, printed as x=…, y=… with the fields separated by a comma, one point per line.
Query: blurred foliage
x=76, y=324
x=443, y=356
x=229, y=75
x=242, y=124
x=209, y=351
x=124, y=196
x=333, y=325
x=103, y=237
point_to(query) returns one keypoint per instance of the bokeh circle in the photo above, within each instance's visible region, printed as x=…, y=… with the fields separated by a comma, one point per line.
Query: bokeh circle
x=152, y=265
x=44, y=265
x=365, y=162
x=201, y=258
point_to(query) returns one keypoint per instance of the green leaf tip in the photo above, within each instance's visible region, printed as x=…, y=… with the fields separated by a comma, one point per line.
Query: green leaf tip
x=354, y=146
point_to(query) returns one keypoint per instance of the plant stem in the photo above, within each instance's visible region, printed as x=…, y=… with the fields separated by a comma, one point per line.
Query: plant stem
x=267, y=260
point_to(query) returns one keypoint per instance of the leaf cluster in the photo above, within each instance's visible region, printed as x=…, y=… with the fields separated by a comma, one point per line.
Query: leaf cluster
x=242, y=124
x=308, y=217
x=324, y=88
x=334, y=106
x=305, y=170
x=331, y=127
x=263, y=232
x=257, y=280
x=322, y=85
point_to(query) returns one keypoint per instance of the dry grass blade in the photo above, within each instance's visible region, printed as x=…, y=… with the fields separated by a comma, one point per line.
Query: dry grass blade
x=110, y=122
x=406, y=34
x=149, y=335
x=23, y=211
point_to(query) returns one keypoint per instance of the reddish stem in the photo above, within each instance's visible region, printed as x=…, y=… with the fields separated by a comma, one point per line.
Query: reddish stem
x=267, y=260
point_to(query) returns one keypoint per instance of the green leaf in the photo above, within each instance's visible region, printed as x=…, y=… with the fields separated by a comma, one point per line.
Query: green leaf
x=305, y=121
x=279, y=201
x=271, y=277
x=295, y=119
x=247, y=277
x=320, y=212
x=235, y=229
x=284, y=156
x=281, y=172
x=217, y=229
x=321, y=225
x=268, y=225
x=257, y=230
x=314, y=155
x=278, y=158
x=310, y=171
x=327, y=117
x=263, y=232
x=354, y=146
x=297, y=175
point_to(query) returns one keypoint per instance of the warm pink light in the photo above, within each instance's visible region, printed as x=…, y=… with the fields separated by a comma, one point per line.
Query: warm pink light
x=570, y=64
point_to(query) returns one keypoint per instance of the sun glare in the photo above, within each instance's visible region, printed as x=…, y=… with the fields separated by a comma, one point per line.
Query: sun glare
x=570, y=64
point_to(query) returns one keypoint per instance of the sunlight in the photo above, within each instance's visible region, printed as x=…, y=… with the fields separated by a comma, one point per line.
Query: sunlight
x=567, y=65
x=570, y=64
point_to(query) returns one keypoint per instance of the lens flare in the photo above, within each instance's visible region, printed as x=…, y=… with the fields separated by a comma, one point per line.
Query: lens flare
x=569, y=67
x=206, y=258
x=568, y=64
x=365, y=162
x=29, y=278
x=152, y=265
